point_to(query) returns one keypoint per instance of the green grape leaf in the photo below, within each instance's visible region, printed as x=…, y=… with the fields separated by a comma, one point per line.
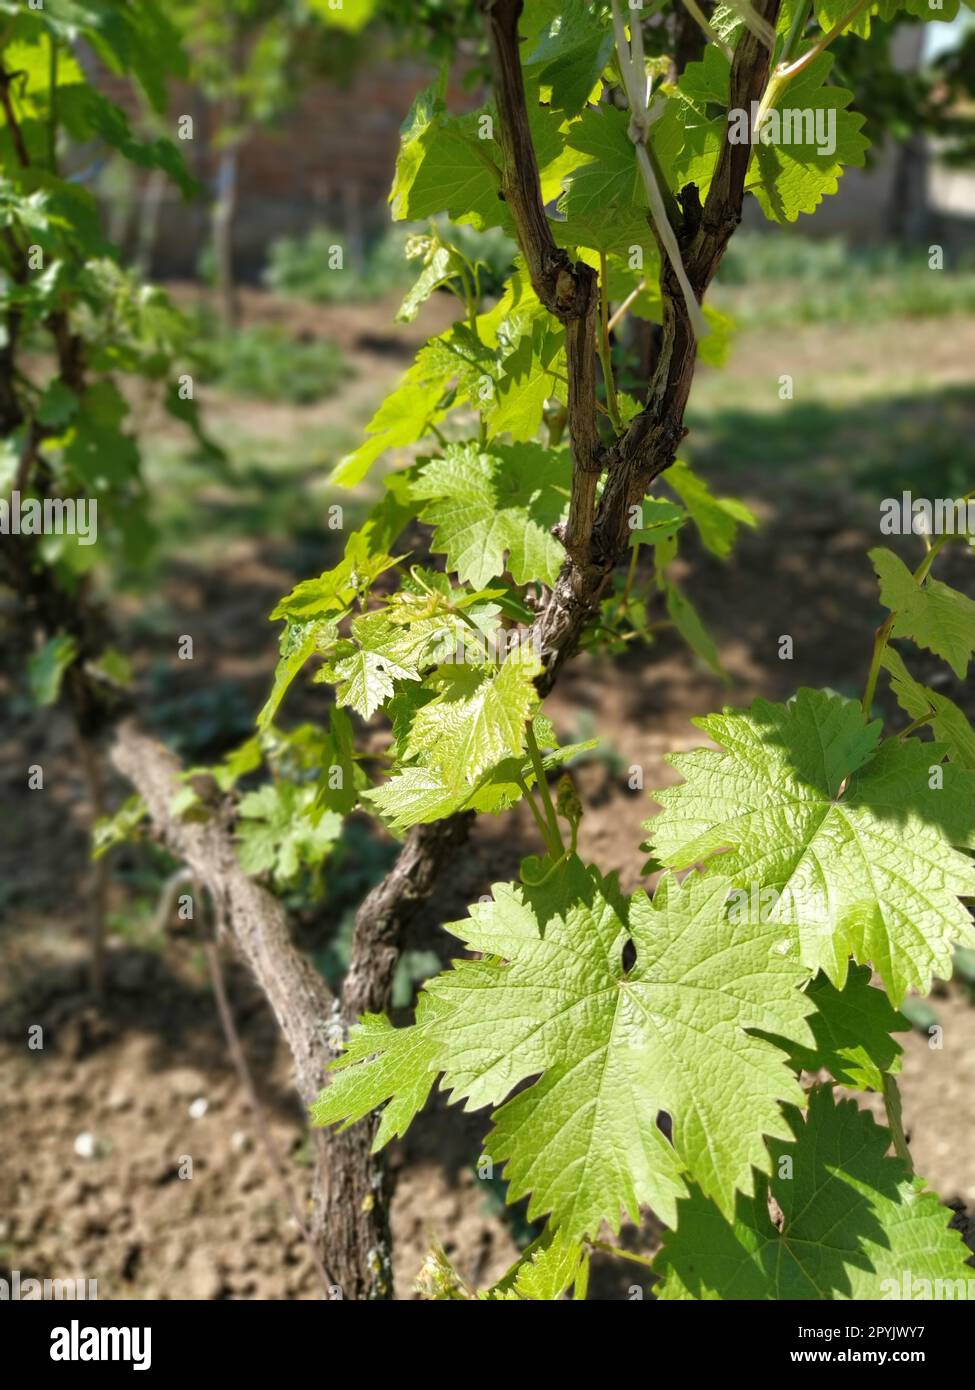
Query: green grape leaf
x=452, y=163
x=685, y=618
x=46, y=668
x=790, y=178
x=97, y=451
x=853, y=838
x=413, y=632
x=351, y=15
x=854, y=1224
x=525, y=381
x=714, y=349
x=689, y=134
x=121, y=828
x=31, y=61
x=614, y=1045
x=571, y=52
x=247, y=757
x=443, y=166
x=852, y=1028
x=383, y=1065
x=329, y=594
x=299, y=642
x=829, y=13
x=495, y=510
x=363, y=677
x=110, y=123
x=943, y=11
x=407, y=413
x=420, y=794
x=515, y=314
x=459, y=365
x=365, y=558
x=410, y=632
x=660, y=520
x=948, y=723
x=57, y=406
x=405, y=416
x=618, y=235
x=461, y=359
x=546, y=1271
x=441, y=264
x=716, y=518
x=341, y=780
x=931, y=614
x=132, y=39
x=618, y=1046
x=416, y=796
x=608, y=178
x=112, y=667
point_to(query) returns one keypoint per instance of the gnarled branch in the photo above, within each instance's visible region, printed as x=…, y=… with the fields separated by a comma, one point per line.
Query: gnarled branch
x=568, y=291
x=350, y=1211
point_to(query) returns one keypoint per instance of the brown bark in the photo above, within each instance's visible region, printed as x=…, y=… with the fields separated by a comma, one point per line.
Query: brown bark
x=301, y=1001
x=568, y=291
x=298, y=995
x=350, y=1215
x=353, y=1208
x=687, y=37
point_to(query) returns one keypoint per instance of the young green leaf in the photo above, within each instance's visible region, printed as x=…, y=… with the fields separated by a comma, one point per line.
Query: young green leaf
x=716, y=518
x=363, y=677
x=932, y=614
x=526, y=378
x=687, y=621
x=830, y=13
x=452, y=163
x=694, y=124
x=948, y=723
x=46, y=668
x=606, y=180
x=441, y=265
x=660, y=520
x=280, y=833
x=495, y=510
x=420, y=794
x=444, y=167
x=407, y=413
x=299, y=642
x=547, y=1270
x=383, y=1065
x=477, y=718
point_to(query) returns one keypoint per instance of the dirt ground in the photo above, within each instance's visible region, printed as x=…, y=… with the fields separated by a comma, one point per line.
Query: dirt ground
x=97, y=1125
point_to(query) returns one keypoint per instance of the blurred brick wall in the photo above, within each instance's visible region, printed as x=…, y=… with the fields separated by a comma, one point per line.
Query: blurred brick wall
x=330, y=162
